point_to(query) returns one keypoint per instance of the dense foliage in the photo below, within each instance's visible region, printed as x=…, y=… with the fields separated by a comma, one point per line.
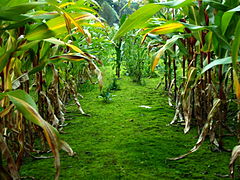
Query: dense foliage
x=51, y=49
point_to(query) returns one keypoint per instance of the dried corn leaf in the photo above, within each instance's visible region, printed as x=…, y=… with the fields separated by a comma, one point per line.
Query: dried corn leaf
x=28, y=108
x=235, y=155
x=10, y=161
x=6, y=111
x=52, y=117
x=204, y=132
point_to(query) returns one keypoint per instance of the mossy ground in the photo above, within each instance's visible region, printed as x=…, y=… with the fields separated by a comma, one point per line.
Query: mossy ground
x=124, y=141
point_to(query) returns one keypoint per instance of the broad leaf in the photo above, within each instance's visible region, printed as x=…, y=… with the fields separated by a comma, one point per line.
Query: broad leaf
x=168, y=45
x=40, y=32
x=227, y=60
x=15, y=13
x=226, y=18
x=140, y=16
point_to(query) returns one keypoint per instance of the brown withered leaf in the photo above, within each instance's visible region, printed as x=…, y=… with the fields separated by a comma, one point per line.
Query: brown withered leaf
x=204, y=131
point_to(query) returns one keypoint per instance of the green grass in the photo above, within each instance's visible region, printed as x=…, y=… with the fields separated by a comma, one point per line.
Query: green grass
x=124, y=141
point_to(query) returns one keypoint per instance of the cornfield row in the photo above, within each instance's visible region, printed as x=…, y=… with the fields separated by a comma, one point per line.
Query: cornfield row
x=197, y=41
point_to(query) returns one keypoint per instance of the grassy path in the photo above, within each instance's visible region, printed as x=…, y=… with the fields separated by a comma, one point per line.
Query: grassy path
x=124, y=141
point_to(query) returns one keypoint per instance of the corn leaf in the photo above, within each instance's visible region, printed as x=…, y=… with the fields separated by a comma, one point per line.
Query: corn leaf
x=223, y=61
x=6, y=153
x=75, y=58
x=40, y=32
x=205, y=130
x=4, y=58
x=25, y=104
x=234, y=156
x=57, y=26
x=167, y=46
x=15, y=13
x=236, y=84
x=226, y=18
x=21, y=95
x=235, y=50
x=140, y=16
x=236, y=45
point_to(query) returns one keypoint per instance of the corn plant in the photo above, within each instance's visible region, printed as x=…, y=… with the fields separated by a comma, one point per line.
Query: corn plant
x=204, y=37
x=33, y=37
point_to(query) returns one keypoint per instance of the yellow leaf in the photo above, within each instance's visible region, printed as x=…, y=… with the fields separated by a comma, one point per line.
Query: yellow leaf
x=236, y=84
x=75, y=48
x=157, y=57
x=167, y=28
x=66, y=4
x=69, y=18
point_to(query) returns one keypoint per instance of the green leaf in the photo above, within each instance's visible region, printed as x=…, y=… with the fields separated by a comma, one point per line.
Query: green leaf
x=37, y=68
x=21, y=95
x=168, y=45
x=219, y=6
x=28, y=45
x=226, y=18
x=140, y=16
x=49, y=75
x=16, y=13
x=177, y=3
x=25, y=104
x=223, y=61
x=55, y=41
x=235, y=46
x=40, y=32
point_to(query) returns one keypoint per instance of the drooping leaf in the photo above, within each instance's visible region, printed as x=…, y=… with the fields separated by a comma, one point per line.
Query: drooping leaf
x=6, y=111
x=69, y=57
x=205, y=130
x=190, y=79
x=165, y=29
x=25, y=104
x=40, y=32
x=21, y=95
x=234, y=156
x=168, y=45
x=236, y=84
x=16, y=13
x=140, y=16
x=4, y=58
x=223, y=61
x=226, y=18
x=236, y=45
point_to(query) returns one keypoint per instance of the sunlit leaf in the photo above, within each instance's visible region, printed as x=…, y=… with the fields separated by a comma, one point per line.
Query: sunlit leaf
x=15, y=13
x=168, y=45
x=236, y=84
x=66, y=4
x=140, y=16
x=226, y=18
x=223, y=61
x=40, y=32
